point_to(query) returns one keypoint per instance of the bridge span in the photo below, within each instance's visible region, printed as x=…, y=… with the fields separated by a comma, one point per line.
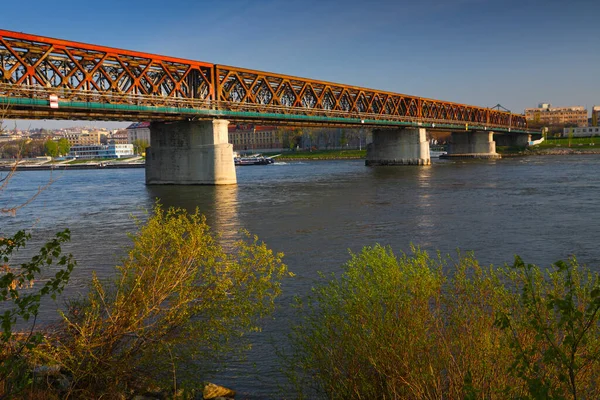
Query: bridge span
x=190, y=104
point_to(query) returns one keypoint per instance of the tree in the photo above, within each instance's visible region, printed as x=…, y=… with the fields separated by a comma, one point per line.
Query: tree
x=63, y=147
x=51, y=148
x=294, y=138
x=178, y=303
x=280, y=134
x=311, y=134
x=139, y=146
x=343, y=139
x=32, y=148
x=570, y=135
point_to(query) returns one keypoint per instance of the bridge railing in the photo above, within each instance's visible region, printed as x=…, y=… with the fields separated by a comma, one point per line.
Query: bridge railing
x=34, y=67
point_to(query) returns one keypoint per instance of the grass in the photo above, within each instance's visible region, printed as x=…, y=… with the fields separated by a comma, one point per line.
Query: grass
x=590, y=144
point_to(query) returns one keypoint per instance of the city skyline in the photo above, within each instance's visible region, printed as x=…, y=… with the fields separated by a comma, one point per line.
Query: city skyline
x=478, y=52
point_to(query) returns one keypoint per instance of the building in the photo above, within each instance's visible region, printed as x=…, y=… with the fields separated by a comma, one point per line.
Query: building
x=595, y=116
x=586, y=131
x=545, y=114
x=83, y=138
x=138, y=131
x=101, y=151
x=119, y=137
x=254, y=138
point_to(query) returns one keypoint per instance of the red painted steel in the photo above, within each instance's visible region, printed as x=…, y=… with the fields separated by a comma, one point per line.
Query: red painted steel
x=35, y=67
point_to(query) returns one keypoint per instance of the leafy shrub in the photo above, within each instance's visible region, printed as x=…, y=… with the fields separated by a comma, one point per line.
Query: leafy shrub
x=21, y=297
x=402, y=328
x=178, y=303
x=561, y=312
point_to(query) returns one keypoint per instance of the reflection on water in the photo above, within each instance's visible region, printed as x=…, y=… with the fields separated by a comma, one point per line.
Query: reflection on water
x=218, y=203
x=541, y=208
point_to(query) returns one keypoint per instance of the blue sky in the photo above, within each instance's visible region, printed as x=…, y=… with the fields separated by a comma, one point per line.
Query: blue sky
x=480, y=52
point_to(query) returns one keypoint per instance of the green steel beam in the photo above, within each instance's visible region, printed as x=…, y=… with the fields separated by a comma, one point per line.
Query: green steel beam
x=226, y=114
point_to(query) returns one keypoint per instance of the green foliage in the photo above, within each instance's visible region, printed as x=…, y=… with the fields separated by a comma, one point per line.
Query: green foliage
x=177, y=305
x=294, y=138
x=402, y=328
x=562, y=312
x=139, y=146
x=578, y=142
x=363, y=334
x=343, y=139
x=22, y=148
x=63, y=147
x=51, y=148
x=21, y=300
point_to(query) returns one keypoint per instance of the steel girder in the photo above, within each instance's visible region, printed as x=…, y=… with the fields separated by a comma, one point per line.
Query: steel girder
x=35, y=67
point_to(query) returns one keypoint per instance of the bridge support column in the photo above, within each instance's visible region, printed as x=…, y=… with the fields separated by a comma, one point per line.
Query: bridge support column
x=512, y=139
x=190, y=153
x=472, y=144
x=403, y=146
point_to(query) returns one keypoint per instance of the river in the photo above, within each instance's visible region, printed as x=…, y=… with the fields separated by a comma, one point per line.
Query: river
x=541, y=208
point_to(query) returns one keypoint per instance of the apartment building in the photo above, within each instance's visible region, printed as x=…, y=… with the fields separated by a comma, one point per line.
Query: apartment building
x=595, y=116
x=119, y=137
x=84, y=138
x=253, y=137
x=138, y=131
x=548, y=115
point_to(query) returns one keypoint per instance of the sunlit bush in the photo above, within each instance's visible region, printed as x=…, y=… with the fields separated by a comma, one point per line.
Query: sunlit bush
x=177, y=304
x=417, y=327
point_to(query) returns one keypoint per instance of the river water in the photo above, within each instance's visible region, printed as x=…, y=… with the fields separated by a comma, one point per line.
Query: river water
x=542, y=208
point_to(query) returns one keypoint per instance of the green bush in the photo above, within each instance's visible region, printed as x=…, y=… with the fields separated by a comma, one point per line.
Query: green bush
x=178, y=303
x=22, y=288
x=561, y=309
x=401, y=328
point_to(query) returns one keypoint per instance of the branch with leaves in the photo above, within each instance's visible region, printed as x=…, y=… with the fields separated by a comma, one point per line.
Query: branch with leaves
x=21, y=299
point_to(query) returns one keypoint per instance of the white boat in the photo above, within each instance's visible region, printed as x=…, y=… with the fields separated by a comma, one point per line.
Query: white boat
x=253, y=159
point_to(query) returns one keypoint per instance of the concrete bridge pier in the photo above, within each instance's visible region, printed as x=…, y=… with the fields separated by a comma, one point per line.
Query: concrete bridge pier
x=472, y=144
x=512, y=139
x=400, y=146
x=190, y=153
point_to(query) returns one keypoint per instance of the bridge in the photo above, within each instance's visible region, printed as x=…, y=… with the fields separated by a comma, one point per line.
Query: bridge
x=190, y=104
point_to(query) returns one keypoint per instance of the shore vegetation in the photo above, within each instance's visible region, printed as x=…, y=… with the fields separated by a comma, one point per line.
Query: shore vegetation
x=420, y=327
x=175, y=308
x=566, y=145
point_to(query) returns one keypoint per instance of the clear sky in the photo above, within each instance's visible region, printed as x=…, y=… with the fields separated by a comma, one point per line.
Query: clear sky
x=482, y=52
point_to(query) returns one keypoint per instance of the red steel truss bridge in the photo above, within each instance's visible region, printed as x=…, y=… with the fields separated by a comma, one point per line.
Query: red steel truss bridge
x=46, y=78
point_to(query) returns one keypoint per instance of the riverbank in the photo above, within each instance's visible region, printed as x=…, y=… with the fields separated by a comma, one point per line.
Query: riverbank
x=504, y=152
x=553, y=151
x=48, y=165
x=60, y=167
x=320, y=155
